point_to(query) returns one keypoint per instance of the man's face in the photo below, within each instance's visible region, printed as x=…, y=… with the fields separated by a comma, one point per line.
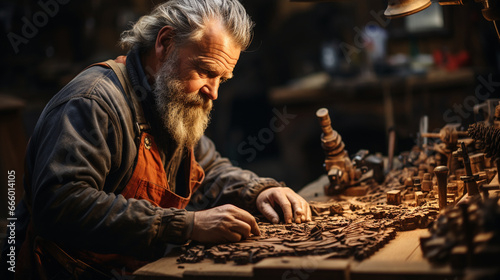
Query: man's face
x=189, y=80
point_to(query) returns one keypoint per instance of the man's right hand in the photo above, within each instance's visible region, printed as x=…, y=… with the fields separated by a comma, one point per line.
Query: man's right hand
x=222, y=224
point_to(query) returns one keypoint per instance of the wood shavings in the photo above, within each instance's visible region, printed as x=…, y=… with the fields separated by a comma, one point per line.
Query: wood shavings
x=329, y=236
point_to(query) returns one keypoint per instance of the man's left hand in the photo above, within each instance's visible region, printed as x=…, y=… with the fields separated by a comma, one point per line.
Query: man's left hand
x=294, y=207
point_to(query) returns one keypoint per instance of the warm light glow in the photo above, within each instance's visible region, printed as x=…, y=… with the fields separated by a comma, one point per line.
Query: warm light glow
x=401, y=8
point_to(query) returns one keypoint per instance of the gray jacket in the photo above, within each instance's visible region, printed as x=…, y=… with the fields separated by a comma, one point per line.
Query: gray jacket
x=81, y=156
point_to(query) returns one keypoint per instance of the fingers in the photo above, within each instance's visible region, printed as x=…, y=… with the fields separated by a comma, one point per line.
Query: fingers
x=293, y=206
x=302, y=210
x=309, y=213
x=247, y=219
x=230, y=236
x=286, y=207
x=255, y=227
x=298, y=210
x=226, y=223
x=244, y=229
x=268, y=211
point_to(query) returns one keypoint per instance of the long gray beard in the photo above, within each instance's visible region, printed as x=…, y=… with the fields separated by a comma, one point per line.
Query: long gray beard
x=184, y=115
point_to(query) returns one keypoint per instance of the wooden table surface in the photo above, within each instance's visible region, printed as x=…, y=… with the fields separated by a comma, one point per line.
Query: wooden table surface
x=401, y=258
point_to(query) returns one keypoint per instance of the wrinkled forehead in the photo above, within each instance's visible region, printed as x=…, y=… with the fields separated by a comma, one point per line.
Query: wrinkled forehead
x=216, y=44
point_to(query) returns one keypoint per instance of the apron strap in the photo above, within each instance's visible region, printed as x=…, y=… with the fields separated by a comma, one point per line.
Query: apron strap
x=121, y=72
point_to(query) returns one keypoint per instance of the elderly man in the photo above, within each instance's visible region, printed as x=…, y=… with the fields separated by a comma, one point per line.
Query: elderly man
x=119, y=153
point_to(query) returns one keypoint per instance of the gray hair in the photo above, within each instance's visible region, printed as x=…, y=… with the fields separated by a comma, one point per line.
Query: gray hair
x=188, y=19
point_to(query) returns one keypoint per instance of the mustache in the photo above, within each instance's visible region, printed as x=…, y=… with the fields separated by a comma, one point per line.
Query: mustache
x=198, y=100
x=173, y=89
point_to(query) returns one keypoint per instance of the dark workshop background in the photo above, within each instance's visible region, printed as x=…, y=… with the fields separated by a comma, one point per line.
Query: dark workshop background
x=304, y=56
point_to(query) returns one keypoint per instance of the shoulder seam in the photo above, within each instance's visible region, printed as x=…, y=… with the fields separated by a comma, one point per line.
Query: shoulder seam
x=88, y=95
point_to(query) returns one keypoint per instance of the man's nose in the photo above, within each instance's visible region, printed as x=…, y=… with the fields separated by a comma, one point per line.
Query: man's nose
x=211, y=88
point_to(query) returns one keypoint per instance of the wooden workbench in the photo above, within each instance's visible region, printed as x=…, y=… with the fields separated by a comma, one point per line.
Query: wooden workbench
x=401, y=258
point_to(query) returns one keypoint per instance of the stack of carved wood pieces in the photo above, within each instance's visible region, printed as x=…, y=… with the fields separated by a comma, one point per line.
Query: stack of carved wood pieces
x=466, y=236
x=402, y=217
x=394, y=180
x=327, y=236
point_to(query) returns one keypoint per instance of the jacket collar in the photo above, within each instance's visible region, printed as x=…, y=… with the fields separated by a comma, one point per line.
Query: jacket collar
x=137, y=75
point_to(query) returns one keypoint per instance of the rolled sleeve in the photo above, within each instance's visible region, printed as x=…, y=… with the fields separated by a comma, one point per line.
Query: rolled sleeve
x=176, y=225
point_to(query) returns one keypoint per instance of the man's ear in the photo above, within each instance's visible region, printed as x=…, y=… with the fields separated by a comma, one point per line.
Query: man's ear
x=164, y=43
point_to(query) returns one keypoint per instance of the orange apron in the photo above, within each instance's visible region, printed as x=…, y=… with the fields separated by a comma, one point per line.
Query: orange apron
x=148, y=181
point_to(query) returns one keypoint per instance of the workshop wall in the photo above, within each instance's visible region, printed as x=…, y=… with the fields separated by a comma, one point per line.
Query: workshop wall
x=56, y=39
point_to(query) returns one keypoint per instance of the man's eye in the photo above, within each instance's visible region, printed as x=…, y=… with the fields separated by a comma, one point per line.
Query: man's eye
x=208, y=74
x=203, y=73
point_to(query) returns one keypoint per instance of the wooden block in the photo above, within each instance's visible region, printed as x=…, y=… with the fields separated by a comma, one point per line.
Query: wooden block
x=450, y=196
x=394, y=197
x=452, y=188
x=451, y=199
x=310, y=267
x=419, y=198
x=426, y=185
x=460, y=187
x=356, y=191
x=409, y=196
